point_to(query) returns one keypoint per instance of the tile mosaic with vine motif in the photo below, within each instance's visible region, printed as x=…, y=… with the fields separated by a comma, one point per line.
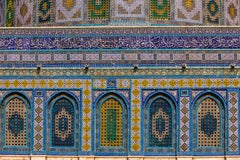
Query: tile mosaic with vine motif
x=10, y=13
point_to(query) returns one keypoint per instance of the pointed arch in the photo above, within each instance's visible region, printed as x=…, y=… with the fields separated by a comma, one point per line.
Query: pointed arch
x=159, y=124
x=63, y=120
x=111, y=124
x=16, y=110
x=209, y=120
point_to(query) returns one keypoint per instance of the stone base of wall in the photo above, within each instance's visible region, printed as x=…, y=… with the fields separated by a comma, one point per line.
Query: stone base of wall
x=113, y=158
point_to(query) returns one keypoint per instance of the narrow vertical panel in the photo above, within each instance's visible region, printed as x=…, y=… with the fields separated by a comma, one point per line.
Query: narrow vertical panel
x=98, y=9
x=10, y=13
x=1, y=13
x=69, y=10
x=184, y=124
x=24, y=12
x=45, y=11
x=213, y=9
x=160, y=10
x=38, y=123
x=129, y=9
x=233, y=121
x=231, y=12
x=188, y=11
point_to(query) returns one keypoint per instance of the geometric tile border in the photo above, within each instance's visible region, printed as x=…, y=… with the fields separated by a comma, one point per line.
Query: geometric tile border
x=38, y=123
x=233, y=121
x=184, y=123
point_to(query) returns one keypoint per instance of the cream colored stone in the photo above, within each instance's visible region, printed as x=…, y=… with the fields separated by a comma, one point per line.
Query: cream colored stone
x=159, y=158
x=38, y=158
x=233, y=158
x=111, y=158
x=184, y=158
x=86, y=158
x=135, y=158
x=15, y=158
x=62, y=158
x=209, y=158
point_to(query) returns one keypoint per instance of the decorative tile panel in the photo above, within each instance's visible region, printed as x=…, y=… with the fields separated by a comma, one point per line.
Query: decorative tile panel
x=133, y=8
x=123, y=83
x=38, y=123
x=1, y=13
x=160, y=124
x=45, y=12
x=231, y=12
x=184, y=124
x=98, y=9
x=188, y=11
x=233, y=121
x=160, y=10
x=63, y=124
x=213, y=10
x=16, y=123
x=10, y=13
x=111, y=134
x=86, y=115
x=24, y=13
x=69, y=10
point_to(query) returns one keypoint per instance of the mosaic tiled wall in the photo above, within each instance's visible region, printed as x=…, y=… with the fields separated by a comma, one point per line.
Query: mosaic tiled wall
x=119, y=12
x=161, y=91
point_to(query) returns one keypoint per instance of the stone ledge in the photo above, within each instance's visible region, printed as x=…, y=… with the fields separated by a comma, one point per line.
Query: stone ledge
x=10, y=157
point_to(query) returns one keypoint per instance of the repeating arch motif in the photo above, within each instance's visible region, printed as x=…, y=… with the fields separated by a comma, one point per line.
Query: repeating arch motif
x=16, y=123
x=15, y=128
x=209, y=125
x=159, y=122
x=62, y=123
x=62, y=119
x=111, y=124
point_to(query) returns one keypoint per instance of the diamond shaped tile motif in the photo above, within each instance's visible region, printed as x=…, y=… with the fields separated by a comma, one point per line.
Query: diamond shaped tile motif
x=184, y=124
x=86, y=114
x=233, y=121
x=231, y=12
x=136, y=90
x=24, y=13
x=38, y=123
